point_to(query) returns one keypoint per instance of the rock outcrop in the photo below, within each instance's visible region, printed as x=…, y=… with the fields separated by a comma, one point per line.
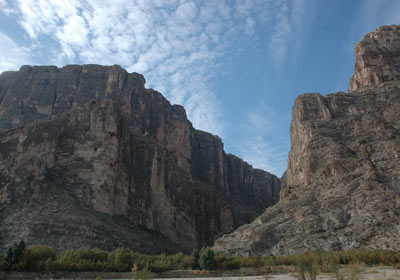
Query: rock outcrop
x=90, y=158
x=377, y=58
x=342, y=186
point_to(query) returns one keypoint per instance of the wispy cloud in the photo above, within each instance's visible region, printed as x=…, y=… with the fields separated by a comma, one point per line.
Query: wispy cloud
x=5, y=8
x=375, y=13
x=11, y=55
x=290, y=25
x=265, y=146
x=266, y=155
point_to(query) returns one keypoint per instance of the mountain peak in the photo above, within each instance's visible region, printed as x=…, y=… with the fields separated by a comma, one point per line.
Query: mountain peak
x=377, y=58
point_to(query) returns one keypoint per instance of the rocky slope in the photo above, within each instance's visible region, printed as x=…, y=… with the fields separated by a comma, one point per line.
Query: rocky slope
x=90, y=158
x=342, y=186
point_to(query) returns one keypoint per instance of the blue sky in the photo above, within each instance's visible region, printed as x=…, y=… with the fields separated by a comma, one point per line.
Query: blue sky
x=236, y=66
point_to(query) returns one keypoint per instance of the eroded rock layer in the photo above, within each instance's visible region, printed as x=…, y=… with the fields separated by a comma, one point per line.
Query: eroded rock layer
x=342, y=186
x=90, y=158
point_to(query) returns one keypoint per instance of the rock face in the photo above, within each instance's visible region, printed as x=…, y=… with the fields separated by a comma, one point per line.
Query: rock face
x=342, y=186
x=90, y=158
x=377, y=58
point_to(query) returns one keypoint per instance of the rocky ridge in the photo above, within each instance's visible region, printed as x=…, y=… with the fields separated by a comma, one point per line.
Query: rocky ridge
x=342, y=186
x=91, y=158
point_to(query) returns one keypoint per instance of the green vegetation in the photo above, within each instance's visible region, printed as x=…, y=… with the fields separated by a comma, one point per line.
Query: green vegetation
x=40, y=258
x=2, y=262
x=307, y=266
x=207, y=259
x=14, y=255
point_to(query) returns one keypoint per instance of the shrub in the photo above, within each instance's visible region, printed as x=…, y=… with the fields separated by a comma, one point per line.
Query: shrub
x=36, y=256
x=122, y=260
x=188, y=262
x=307, y=266
x=176, y=260
x=196, y=256
x=286, y=260
x=2, y=263
x=269, y=260
x=159, y=263
x=250, y=261
x=226, y=263
x=206, y=259
x=82, y=260
x=145, y=273
x=14, y=253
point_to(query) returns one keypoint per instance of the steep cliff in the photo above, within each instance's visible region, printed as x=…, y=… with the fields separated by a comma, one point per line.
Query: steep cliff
x=342, y=186
x=90, y=157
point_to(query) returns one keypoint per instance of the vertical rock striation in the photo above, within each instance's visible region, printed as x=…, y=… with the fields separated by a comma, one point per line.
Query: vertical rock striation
x=341, y=189
x=90, y=157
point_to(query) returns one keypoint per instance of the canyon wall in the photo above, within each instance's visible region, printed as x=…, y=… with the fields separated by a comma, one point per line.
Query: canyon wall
x=91, y=158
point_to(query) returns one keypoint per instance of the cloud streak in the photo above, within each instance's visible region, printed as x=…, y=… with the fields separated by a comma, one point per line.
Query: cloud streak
x=264, y=146
x=14, y=54
x=375, y=13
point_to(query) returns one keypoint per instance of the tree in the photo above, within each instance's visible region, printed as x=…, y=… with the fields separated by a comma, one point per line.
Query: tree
x=207, y=259
x=14, y=254
x=36, y=256
x=2, y=262
x=196, y=256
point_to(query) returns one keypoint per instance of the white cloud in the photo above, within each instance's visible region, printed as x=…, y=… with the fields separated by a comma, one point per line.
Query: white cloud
x=279, y=39
x=249, y=27
x=5, y=8
x=290, y=23
x=11, y=55
x=244, y=7
x=74, y=32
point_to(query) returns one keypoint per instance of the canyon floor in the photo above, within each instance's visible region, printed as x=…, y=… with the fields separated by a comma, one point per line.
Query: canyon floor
x=349, y=272
x=375, y=273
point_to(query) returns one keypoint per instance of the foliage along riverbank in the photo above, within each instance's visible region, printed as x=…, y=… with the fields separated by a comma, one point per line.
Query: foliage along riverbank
x=43, y=259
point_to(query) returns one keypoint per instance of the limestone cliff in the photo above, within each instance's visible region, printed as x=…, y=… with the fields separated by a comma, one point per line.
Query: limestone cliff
x=341, y=189
x=90, y=157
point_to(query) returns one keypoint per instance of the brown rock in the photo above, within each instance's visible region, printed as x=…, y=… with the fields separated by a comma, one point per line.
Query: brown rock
x=90, y=158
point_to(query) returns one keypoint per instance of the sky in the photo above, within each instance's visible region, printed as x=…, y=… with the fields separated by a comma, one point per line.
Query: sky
x=235, y=65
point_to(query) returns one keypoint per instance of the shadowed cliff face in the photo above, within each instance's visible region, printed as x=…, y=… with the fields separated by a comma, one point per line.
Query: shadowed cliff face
x=89, y=157
x=342, y=186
